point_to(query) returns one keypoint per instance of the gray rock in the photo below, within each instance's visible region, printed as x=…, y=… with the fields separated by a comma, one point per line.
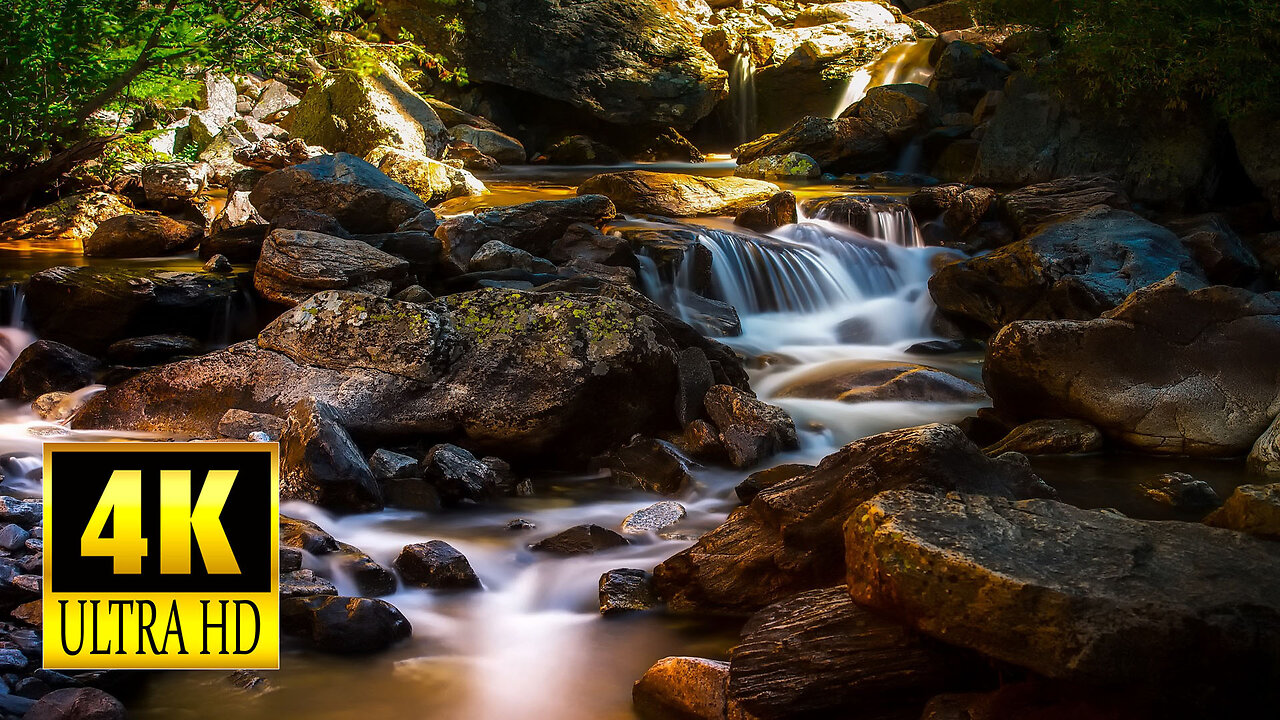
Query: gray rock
x=320, y=463
x=437, y=565
x=654, y=518
x=13, y=537
x=304, y=583
x=457, y=475
x=296, y=264
x=344, y=625
x=387, y=465
x=356, y=193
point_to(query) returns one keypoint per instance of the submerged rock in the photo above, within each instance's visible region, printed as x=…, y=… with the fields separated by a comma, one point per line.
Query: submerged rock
x=346, y=625
x=351, y=190
x=1050, y=437
x=580, y=540
x=1180, y=490
x=856, y=381
x=626, y=590
x=437, y=565
x=1254, y=509
x=676, y=195
x=682, y=688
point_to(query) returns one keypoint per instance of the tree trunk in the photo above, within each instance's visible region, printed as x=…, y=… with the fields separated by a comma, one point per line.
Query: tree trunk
x=18, y=187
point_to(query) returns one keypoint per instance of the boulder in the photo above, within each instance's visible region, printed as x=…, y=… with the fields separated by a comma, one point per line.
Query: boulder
x=351, y=190
x=494, y=143
x=750, y=429
x=437, y=565
x=306, y=535
x=1074, y=594
x=762, y=480
x=273, y=98
x=854, y=381
x=682, y=688
x=152, y=349
x=1075, y=269
x=270, y=154
x=533, y=227
x=849, y=144
x=45, y=366
x=676, y=195
x=584, y=242
x=1049, y=437
x=497, y=255
x=651, y=465
x=776, y=167
x=78, y=703
x=654, y=518
x=1150, y=374
x=1254, y=509
x=370, y=578
x=131, y=236
x=300, y=583
x=1264, y=457
x=344, y=625
x=295, y=264
x=353, y=112
x=67, y=222
x=162, y=181
x=639, y=68
x=899, y=111
x=787, y=539
x=818, y=655
x=771, y=214
x=580, y=540
x=432, y=180
x=626, y=590
x=457, y=475
x=1216, y=247
x=388, y=465
x=1035, y=206
x=321, y=464
x=238, y=424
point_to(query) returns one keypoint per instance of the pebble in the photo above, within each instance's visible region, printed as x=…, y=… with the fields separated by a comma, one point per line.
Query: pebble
x=521, y=524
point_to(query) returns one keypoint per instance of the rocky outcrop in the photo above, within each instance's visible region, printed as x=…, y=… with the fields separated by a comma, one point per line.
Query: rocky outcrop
x=676, y=195
x=1151, y=373
x=342, y=186
x=1076, y=269
x=296, y=264
x=1074, y=594
x=787, y=540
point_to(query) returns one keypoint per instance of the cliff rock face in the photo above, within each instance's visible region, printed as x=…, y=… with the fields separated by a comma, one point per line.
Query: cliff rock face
x=625, y=61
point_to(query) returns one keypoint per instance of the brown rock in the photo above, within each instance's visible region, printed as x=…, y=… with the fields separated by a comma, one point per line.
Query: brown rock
x=1253, y=509
x=141, y=236
x=682, y=688
x=751, y=430
x=676, y=195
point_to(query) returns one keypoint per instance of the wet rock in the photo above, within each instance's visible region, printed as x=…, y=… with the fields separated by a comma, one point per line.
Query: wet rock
x=152, y=349
x=496, y=144
x=864, y=381
x=1075, y=269
x=580, y=540
x=1050, y=437
x=1149, y=374
x=899, y=111
x=849, y=144
x=626, y=590
x=301, y=583
x=238, y=424
x=437, y=565
x=388, y=465
x=217, y=264
x=788, y=539
x=1264, y=457
x=1035, y=206
x=533, y=227
x=321, y=464
x=45, y=366
x=352, y=112
x=944, y=347
x=654, y=518
x=77, y=704
x=696, y=378
x=757, y=482
x=345, y=625
x=68, y=221
x=776, y=167
x=240, y=244
x=1254, y=509
x=581, y=150
x=701, y=440
x=676, y=195
x=296, y=264
x=290, y=559
x=772, y=214
x=818, y=655
x=141, y=236
x=652, y=465
x=682, y=688
x=1180, y=490
x=457, y=475
x=1095, y=596
x=354, y=192
x=585, y=242
x=751, y=430
x=306, y=535
x=370, y=578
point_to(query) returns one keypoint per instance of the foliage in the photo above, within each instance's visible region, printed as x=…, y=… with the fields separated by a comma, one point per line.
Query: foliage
x=1174, y=52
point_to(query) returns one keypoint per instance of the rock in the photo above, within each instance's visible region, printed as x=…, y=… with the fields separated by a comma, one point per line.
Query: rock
x=676, y=195
x=762, y=480
x=944, y=347
x=497, y=145
x=458, y=475
x=1254, y=509
x=13, y=537
x=900, y=111
x=1076, y=269
x=345, y=625
x=1149, y=374
x=533, y=227
x=437, y=565
x=640, y=68
x=370, y=578
x=581, y=150
x=770, y=215
x=1180, y=490
x=269, y=154
x=353, y=112
x=1264, y=457
x=141, y=236
x=1255, y=136
x=320, y=463
x=584, y=242
x=238, y=424
x=854, y=381
x=626, y=590
x=849, y=144
x=1073, y=594
x=682, y=688
x=69, y=221
x=27, y=513
x=750, y=429
x=306, y=535
x=787, y=540
x=432, y=180
x=163, y=181
x=776, y=167
x=83, y=703
x=152, y=349
x=388, y=465
x=818, y=655
x=696, y=378
x=301, y=583
x=216, y=94
x=217, y=264
x=45, y=366
x=275, y=97
x=1035, y=206
x=651, y=465
x=295, y=264
x=580, y=540
x=497, y=255
x=239, y=244
x=654, y=518
x=1218, y=249
x=351, y=190
x=1050, y=437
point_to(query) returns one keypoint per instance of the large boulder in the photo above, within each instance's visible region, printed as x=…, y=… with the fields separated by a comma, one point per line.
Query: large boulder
x=355, y=113
x=639, y=67
x=343, y=186
x=131, y=236
x=1034, y=206
x=515, y=373
x=676, y=195
x=45, y=366
x=296, y=264
x=432, y=180
x=787, y=540
x=1174, y=370
x=67, y=222
x=1076, y=269
x=1076, y=594
x=533, y=226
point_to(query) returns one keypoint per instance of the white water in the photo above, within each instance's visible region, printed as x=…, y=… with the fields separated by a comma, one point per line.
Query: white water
x=742, y=96
x=903, y=63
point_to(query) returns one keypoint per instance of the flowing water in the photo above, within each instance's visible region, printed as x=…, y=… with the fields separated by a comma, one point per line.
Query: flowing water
x=742, y=96
x=906, y=62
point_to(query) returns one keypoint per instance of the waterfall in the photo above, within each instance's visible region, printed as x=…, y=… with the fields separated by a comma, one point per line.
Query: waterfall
x=885, y=218
x=906, y=62
x=742, y=96
x=14, y=337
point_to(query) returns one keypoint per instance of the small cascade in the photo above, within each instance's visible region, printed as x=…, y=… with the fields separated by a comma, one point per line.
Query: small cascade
x=885, y=218
x=742, y=96
x=906, y=62
x=14, y=338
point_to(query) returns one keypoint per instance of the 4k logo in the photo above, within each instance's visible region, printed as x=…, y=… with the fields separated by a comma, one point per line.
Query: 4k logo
x=161, y=555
